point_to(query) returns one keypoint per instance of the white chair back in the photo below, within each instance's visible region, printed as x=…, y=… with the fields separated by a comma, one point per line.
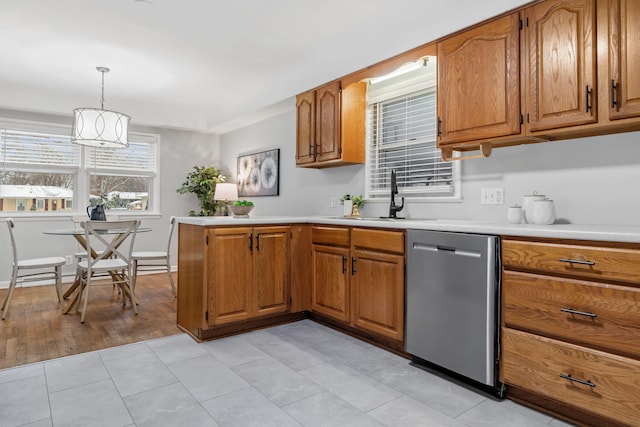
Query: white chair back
x=117, y=238
x=14, y=250
x=172, y=221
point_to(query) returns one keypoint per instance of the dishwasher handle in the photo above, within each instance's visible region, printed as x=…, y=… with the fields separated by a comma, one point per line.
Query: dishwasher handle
x=450, y=249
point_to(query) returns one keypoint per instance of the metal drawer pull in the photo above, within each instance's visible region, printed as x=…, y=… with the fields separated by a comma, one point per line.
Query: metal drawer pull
x=577, y=380
x=576, y=261
x=581, y=313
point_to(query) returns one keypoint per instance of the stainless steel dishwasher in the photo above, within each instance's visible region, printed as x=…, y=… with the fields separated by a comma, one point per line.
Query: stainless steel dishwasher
x=453, y=285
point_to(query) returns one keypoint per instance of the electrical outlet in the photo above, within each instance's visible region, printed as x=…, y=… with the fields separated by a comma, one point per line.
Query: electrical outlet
x=334, y=202
x=68, y=259
x=492, y=196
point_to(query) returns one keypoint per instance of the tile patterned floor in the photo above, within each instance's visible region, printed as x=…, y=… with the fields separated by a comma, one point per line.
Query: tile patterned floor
x=299, y=374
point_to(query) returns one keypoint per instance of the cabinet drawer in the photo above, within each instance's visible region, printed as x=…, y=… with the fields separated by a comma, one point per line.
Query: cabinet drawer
x=593, y=314
x=378, y=240
x=611, y=385
x=591, y=262
x=333, y=236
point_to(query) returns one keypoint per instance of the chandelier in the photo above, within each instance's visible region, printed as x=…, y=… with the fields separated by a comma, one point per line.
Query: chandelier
x=98, y=127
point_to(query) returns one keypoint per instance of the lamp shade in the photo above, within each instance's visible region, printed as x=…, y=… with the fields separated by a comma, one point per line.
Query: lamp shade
x=100, y=128
x=226, y=191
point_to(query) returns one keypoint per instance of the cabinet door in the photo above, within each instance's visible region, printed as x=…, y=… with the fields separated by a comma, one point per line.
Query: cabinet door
x=330, y=288
x=561, y=73
x=230, y=275
x=479, y=81
x=624, y=58
x=271, y=270
x=305, y=129
x=327, y=125
x=377, y=293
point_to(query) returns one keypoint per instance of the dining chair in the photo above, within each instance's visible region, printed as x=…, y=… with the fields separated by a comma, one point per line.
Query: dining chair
x=77, y=220
x=78, y=256
x=23, y=270
x=150, y=260
x=116, y=239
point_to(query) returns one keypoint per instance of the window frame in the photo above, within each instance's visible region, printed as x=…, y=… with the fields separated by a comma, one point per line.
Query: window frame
x=82, y=173
x=400, y=87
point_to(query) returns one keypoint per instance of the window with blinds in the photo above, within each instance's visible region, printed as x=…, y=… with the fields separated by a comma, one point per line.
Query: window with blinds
x=42, y=171
x=402, y=136
x=38, y=149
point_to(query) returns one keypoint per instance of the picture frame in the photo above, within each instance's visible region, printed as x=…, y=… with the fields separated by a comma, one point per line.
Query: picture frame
x=258, y=174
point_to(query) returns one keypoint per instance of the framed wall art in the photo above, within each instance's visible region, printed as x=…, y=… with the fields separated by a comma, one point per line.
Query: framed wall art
x=259, y=174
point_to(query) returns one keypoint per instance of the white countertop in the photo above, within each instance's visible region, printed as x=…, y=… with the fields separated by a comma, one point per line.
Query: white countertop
x=607, y=233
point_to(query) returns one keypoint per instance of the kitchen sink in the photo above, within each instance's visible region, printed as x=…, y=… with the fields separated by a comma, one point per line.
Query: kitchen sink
x=380, y=219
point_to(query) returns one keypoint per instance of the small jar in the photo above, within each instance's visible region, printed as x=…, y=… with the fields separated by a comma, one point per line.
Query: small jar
x=544, y=212
x=514, y=214
x=527, y=205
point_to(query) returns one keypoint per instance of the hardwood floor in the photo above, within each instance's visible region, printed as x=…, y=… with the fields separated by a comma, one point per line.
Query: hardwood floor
x=35, y=328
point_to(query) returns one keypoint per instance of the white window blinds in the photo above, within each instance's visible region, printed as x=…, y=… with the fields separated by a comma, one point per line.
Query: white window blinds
x=138, y=157
x=402, y=136
x=27, y=148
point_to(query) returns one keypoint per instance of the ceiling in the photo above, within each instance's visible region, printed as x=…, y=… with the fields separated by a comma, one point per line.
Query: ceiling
x=205, y=65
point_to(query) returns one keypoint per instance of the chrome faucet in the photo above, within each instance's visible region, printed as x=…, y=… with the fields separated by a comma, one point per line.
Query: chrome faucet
x=393, y=208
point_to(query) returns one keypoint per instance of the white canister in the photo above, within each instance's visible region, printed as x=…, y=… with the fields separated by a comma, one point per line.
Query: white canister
x=514, y=214
x=348, y=207
x=544, y=212
x=527, y=205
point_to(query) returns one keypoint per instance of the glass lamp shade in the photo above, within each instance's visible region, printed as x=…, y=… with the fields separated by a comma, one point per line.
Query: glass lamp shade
x=100, y=128
x=226, y=191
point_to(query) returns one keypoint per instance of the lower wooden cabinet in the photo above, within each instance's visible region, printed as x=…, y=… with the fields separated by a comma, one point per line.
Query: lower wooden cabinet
x=231, y=275
x=248, y=272
x=591, y=380
x=358, y=278
x=571, y=328
x=330, y=294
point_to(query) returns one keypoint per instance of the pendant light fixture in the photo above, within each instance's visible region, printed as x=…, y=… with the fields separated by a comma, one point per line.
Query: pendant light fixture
x=98, y=127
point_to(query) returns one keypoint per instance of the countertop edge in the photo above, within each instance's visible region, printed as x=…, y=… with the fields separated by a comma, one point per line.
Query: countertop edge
x=606, y=233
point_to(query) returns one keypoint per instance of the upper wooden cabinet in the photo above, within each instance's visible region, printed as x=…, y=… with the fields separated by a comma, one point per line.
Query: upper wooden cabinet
x=479, y=82
x=558, y=69
x=305, y=128
x=330, y=125
x=536, y=68
x=624, y=58
x=561, y=84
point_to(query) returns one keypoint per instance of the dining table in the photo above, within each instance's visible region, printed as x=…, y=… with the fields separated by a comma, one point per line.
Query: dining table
x=78, y=234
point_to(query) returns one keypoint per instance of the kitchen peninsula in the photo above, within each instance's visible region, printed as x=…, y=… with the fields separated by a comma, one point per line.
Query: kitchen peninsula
x=570, y=295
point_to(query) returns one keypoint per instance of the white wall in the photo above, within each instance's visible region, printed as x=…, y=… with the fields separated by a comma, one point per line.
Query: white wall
x=302, y=191
x=592, y=180
x=180, y=151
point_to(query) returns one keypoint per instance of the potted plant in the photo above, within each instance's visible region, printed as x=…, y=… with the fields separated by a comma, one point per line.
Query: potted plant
x=202, y=182
x=356, y=203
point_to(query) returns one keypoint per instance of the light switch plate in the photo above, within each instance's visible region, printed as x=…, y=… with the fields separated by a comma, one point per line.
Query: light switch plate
x=492, y=196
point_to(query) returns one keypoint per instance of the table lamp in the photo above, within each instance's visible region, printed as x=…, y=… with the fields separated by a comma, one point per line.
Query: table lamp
x=226, y=192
